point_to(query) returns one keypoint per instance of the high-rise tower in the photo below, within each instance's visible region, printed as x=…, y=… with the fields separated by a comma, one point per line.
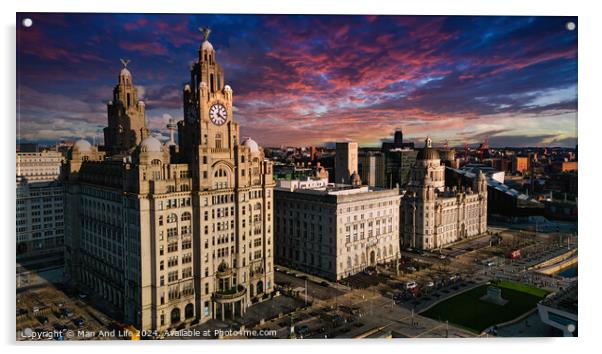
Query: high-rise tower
x=127, y=125
x=177, y=233
x=345, y=162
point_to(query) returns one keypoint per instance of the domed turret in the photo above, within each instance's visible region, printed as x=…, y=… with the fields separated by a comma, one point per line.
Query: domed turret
x=125, y=72
x=82, y=145
x=125, y=76
x=206, y=45
x=428, y=152
x=150, y=144
x=252, y=145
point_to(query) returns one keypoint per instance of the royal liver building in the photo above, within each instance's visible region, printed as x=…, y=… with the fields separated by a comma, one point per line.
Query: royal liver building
x=171, y=233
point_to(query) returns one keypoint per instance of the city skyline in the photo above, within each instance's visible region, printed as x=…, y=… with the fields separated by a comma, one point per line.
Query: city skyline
x=312, y=79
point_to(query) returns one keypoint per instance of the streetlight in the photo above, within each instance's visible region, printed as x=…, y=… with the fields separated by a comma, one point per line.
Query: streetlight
x=305, y=292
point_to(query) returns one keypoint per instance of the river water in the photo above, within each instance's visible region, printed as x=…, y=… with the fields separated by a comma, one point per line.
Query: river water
x=568, y=272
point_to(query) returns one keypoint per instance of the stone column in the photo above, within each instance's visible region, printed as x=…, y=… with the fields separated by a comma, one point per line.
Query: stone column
x=233, y=305
x=223, y=318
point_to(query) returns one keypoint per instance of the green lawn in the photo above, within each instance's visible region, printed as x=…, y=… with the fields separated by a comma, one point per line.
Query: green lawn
x=468, y=311
x=521, y=287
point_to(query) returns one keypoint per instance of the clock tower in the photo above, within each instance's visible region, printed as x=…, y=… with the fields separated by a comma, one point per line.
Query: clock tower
x=232, y=193
x=208, y=122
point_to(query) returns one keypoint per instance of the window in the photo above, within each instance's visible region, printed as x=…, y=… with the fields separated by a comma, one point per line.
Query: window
x=186, y=216
x=171, y=218
x=187, y=272
x=172, y=232
x=218, y=139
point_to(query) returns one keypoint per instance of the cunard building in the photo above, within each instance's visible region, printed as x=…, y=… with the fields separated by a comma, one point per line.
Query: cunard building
x=171, y=233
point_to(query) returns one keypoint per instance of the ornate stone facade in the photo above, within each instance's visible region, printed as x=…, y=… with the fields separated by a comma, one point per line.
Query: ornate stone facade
x=171, y=234
x=434, y=215
x=334, y=230
x=127, y=124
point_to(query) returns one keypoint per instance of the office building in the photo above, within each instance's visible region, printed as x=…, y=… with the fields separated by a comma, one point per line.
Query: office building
x=346, y=160
x=334, y=230
x=169, y=234
x=434, y=215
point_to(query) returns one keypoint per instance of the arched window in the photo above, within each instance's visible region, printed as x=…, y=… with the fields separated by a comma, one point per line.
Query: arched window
x=189, y=311
x=156, y=162
x=175, y=315
x=171, y=218
x=259, y=287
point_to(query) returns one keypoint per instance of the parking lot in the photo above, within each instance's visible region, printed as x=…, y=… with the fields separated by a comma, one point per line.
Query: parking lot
x=47, y=312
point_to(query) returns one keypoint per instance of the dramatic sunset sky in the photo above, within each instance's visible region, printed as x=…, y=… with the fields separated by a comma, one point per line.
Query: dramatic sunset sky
x=301, y=80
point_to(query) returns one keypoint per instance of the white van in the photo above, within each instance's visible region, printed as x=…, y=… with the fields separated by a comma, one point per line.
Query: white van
x=411, y=285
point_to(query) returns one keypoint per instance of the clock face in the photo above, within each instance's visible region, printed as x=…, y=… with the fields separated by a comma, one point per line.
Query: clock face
x=218, y=114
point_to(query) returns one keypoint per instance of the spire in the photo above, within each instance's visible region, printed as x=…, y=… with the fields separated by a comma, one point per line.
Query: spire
x=125, y=113
x=207, y=70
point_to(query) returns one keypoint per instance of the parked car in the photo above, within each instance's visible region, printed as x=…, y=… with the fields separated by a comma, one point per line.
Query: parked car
x=488, y=263
x=42, y=319
x=79, y=322
x=302, y=330
x=430, y=284
x=65, y=312
x=410, y=285
x=59, y=327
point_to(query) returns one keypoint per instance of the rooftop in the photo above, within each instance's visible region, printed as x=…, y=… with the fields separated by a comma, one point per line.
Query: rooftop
x=496, y=185
x=565, y=300
x=321, y=187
